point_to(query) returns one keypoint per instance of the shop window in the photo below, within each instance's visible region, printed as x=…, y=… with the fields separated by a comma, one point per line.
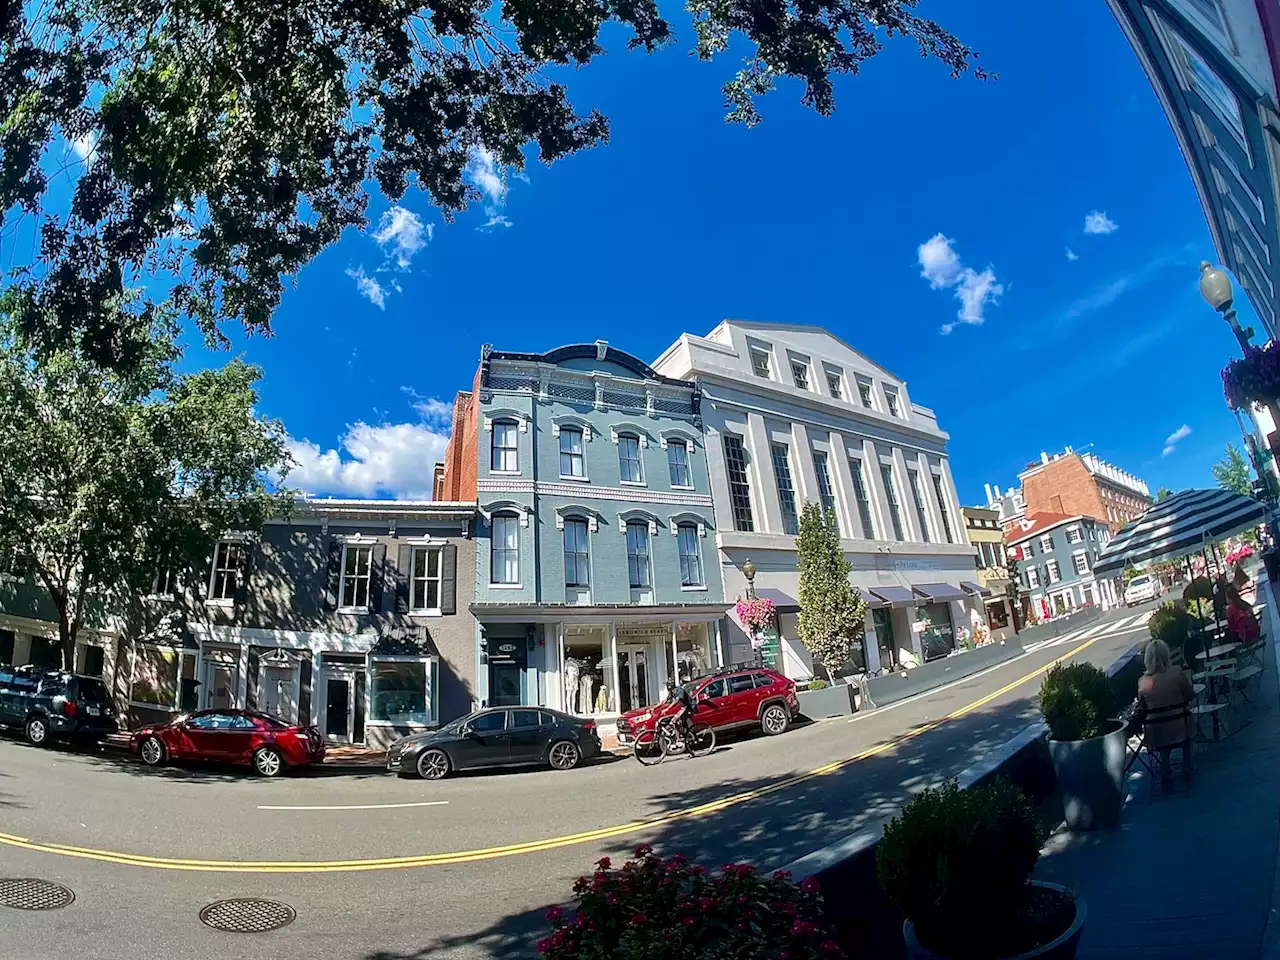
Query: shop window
x=586, y=676
x=638, y=553
x=505, y=453
x=571, y=462
x=94, y=661
x=46, y=653
x=678, y=463
x=690, y=556
x=424, y=580
x=504, y=551
x=357, y=564
x=7, y=640
x=998, y=616
x=693, y=651
x=155, y=677
x=228, y=560
x=400, y=692
x=937, y=636
x=576, y=558
x=630, y=469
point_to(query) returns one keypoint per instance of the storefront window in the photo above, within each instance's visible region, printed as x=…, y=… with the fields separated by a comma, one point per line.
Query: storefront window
x=400, y=692
x=587, y=673
x=884, y=637
x=998, y=615
x=155, y=676
x=693, y=651
x=937, y=638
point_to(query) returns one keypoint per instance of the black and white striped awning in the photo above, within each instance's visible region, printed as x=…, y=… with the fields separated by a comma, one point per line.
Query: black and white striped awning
x=1182, y=524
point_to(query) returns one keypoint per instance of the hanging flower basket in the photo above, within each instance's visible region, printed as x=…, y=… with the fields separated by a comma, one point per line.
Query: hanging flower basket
x=1253, y=378
x=1240, y=553
x=756, y=614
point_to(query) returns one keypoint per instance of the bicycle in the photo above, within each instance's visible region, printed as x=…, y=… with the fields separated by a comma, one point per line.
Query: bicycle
x=666, y=739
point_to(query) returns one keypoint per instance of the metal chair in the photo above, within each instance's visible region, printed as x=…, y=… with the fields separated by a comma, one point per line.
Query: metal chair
x=1157, y=762
x=1215, y=710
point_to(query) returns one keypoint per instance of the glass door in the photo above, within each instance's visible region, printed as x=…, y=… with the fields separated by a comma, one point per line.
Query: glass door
x=343, y=710
x=633, y=677
x=883, y=620
x=219, y=681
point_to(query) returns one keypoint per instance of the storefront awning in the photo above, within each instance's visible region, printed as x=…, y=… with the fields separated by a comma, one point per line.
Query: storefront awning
x=782, y=602
x=894, y=596
x=970, y=587
x=874, y=602
x=938, y=592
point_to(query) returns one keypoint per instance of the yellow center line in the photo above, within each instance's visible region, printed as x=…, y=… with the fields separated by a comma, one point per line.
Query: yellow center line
x=514, y=849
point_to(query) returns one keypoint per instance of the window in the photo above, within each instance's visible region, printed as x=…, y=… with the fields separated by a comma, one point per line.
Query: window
x=690, y=557
x=864, y=393
x=571, y=464
x=739, y=489
x=526, y=718
x=504, y=558
x=400, y=692
x=1200, y=78
x=914, y=479
x=424, y=579
x=942, y=508
x=576, y=566
x=356, y=568
x=824, y=488
x=1028, y=550
x=760, y=363
x=489, y=722
x=864, y=502
x=835, y=386
x=1046, y=543
x=716, y=688
x=1082, y=563
x=786, y=488
x=629, y=468
x=155, y=676
x=228, y=560
x=162, y=583
x=638, y=553
x=1074, y=535
x=1033, y=578
x=1055, y=573
x=678, y=463
x=800, y=373
x=891, y=401
x=1211, y=11
x=985, y=559
x=895, y=515
x=504, y=457
x=742, y=683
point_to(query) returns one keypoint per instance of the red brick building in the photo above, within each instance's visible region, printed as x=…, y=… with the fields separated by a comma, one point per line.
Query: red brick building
x=1076, y=484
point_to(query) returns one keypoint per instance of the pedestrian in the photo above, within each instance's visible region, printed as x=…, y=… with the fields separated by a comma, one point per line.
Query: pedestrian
x=1242, y=625
x=1165, y=696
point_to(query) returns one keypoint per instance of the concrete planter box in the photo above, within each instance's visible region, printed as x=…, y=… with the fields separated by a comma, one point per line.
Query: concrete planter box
x=1062, y=948
x=929, y=676
x=834, y=701
x=1091, y=778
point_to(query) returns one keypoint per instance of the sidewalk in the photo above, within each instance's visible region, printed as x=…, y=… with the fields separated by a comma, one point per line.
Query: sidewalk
x=337, y=757
x=1192, y=873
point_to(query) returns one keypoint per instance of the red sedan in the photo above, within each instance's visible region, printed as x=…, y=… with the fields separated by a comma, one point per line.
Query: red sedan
x=267, y=743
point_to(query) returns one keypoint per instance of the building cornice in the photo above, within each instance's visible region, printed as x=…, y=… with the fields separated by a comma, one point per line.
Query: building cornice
x=583, y=491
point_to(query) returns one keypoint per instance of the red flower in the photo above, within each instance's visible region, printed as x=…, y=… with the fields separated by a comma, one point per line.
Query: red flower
x=802, y=928
x=603, y=863
x=782, y=874
x=809, y=885
x=828, y=946
x=554, y=915
x=644, y=850
x=544, y=945
x=748, y=914
x=690, y=921
x=639, y=919
x=612, y=900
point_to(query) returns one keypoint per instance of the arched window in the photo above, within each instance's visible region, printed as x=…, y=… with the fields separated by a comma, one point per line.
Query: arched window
x=576, y=553
x=630, y=468
x=505, y=455
x=504, y=550
x=638, y=552
x=571, y=464
x=690, y=555
x=678, y=462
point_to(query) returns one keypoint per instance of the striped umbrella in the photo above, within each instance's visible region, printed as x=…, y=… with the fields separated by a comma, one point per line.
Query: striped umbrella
x=1182, y=524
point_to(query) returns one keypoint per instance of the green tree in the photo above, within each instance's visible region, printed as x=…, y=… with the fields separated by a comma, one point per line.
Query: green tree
x=224, y=145
x=832, y=612
x=1232, y=472
x=1164, y=493
x=109, y=478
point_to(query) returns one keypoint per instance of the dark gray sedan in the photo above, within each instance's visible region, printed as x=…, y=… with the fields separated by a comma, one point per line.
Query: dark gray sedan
x=497, y=737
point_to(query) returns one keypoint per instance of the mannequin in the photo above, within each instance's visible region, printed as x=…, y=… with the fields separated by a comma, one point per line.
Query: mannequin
x=585, y=686
x=572, y=668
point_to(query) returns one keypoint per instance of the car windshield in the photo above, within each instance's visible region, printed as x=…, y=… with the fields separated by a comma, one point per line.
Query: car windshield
x=1139, y=581
x=91, y=691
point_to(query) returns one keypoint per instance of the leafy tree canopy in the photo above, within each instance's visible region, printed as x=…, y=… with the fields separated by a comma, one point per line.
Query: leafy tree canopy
x=110, y=478
x=832, y=613
x=227, y=144
x=1164, y=493
x=1232, y=471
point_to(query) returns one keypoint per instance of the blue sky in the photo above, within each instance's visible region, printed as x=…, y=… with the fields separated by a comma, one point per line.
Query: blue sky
x=683, y=220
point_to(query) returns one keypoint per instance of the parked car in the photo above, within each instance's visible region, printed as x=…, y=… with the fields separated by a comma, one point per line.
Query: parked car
x=1141, y=588
x=49, y=705
x=269, y=744
x=497, y=737
x=729, y=700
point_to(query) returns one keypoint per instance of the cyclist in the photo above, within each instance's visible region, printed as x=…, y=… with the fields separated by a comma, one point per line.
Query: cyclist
x=683, y=717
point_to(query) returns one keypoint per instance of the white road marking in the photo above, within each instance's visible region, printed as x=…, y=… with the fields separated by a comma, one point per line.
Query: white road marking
x=364, y=806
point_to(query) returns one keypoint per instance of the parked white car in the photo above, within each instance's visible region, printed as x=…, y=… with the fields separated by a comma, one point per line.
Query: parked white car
x=1141, y=588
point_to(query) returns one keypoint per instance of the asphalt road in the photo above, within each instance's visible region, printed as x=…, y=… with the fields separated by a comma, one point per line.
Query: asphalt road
x=469, y=875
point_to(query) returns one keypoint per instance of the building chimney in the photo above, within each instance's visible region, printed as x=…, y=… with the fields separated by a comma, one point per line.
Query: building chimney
x=988, y=489
x=437, y=482
x=1044, y=457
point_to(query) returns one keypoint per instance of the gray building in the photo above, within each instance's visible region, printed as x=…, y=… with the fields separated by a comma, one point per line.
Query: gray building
x=351, y=616
x=1055, y=555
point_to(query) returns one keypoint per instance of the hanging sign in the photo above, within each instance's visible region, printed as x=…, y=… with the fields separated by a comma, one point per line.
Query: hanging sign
x=770, y=647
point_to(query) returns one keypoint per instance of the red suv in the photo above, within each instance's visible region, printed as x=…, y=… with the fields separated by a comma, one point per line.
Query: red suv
x=727, y=701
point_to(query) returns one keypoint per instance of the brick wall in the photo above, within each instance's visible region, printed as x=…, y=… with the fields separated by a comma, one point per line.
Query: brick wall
x=1064, y=486
x=461, y=453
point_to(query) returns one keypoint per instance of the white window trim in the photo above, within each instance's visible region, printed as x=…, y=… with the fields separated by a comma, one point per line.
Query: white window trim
x=1051, y=565
x=1043, y=538
x=521, y=417
x=770, y=361
x=360, y=541
x=523, y=522
x=575, y=511
x=666, y=436
x=133, y=660
x=1080, y=555
x=433, y=666
x=569, y=420
x=1075, y=528
x=617, y=430
x=1176, y=48
x=523, y=511
x=891, y=391
x=438, y=547
x=210, y=599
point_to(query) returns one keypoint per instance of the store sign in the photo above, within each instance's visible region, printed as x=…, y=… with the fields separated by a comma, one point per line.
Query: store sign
x=506, y=648
x=770, y=645
x=644, y=631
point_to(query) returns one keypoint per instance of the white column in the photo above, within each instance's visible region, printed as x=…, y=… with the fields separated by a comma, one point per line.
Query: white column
x=906, y=498
x=675, y=655
x=953, y=502
x=759, y=450
x=842, y=479
x=717, y=642
x=802, y=464
x=613, y=665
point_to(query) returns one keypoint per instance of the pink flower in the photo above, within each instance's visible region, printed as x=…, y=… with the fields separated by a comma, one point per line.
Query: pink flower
x=782, y=874
x=554, y=915
x=643, y=850
x=809, y=885
x=603, y=863
x=690, y=921
x=639, y=919
x=544, y=945
x=802, y=928
x=828, y=946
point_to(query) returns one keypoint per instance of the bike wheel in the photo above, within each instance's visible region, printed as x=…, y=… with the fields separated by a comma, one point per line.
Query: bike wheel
x=649, y=750
x=702, y=741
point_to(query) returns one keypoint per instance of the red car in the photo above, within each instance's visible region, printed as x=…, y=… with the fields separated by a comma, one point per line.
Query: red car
x=730, y=700
x=267, y=743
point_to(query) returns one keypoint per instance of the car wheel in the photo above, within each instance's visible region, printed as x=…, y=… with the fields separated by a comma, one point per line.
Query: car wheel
x=433, y=765
x=775, y=719
x=37, y=731
x=152, y=752
x=564, y=755
x=268, y=762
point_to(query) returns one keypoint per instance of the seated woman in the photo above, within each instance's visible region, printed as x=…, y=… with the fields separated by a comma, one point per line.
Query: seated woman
x=1242, y=625
x=1165, y=694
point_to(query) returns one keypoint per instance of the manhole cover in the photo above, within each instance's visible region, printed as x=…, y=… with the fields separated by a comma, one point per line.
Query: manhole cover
x=26, y=893
x=248, y=915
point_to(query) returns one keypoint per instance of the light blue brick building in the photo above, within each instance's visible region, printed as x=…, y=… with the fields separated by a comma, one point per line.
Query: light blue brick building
x=596, y=571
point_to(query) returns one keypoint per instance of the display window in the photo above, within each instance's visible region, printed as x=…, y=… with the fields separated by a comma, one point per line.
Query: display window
x=693, y=651
x=937, y=636
x=586, y=671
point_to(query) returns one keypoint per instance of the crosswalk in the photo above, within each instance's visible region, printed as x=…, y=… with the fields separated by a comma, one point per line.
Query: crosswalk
x=1110, y=628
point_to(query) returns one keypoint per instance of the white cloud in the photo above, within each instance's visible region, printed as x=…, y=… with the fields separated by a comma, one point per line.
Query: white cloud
x=369, y=287
x=86, y=146
x=433, y=412
x=1072, y=255
x=372, y=460
x=1098, y=222
x=941, y=266
x=1171, y=441
x=484, y=174
x=401, y=234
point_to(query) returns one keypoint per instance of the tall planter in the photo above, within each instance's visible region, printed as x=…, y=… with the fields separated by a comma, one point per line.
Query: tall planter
x=1090, y=777
x=1062, y=947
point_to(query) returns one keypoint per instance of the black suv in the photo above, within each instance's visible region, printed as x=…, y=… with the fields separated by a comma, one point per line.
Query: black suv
x=55, y=705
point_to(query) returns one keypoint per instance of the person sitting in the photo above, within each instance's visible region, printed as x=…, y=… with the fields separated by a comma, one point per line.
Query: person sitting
x=1165, y=695
x=1242, y=625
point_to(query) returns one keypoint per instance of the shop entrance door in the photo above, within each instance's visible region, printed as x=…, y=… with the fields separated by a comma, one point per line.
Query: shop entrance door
x=342, y=704
x=633, y=677
x=275, y=691
x=219, y=681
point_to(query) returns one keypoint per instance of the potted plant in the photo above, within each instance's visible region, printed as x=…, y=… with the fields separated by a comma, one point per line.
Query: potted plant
x=957, y=863
x=656, y=909
x=1086, y=744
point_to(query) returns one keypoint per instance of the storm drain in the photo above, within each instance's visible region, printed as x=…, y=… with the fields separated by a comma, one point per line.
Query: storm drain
x=27, y=893
x=248, y=915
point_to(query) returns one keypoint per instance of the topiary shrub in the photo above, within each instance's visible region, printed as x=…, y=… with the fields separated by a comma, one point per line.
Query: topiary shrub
x=956, y=864
x=817, y=683
x=1077, y=702
x=1170, y=623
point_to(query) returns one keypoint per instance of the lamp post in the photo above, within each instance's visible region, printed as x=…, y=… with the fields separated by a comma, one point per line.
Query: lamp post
x=1215, y=287
x=749, y=571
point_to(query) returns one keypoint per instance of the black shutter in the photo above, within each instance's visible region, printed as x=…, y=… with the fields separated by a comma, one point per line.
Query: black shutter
x=246, y=571
x=404, y=558
x=449, y=579
x=251, y=693
x=334, y=574
x=377, y=581
x=304, y=689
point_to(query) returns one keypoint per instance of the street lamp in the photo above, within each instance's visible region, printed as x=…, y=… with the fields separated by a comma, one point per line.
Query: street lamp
x=749, y=571
x=1215, y=287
